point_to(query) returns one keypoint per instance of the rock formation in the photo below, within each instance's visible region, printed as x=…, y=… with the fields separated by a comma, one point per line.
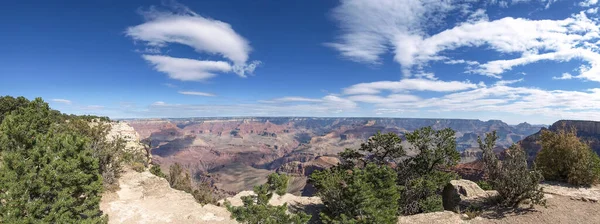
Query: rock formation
x=460, y=194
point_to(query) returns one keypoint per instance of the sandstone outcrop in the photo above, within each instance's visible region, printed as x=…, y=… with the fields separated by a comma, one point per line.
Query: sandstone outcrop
x=145, y=198
x=460, y=194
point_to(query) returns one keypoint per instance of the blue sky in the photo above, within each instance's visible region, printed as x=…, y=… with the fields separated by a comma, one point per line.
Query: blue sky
x=517, y=60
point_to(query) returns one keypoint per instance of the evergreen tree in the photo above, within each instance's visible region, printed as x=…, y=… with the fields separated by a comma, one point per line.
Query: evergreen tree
x=9, y=103
x=368, y=195
x=47, y=174
x=424, y=176
x=256, y=208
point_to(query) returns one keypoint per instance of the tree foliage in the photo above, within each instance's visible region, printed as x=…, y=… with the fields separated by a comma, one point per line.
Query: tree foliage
x=48, y=172
x=360, y=195
x=419, y=180
x=564, y=157
x=257, y=210
x=109, y=152
x=424, y=176
x=155, y=169
x=512, y=178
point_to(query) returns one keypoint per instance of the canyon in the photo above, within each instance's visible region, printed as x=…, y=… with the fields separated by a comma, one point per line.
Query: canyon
x=234, y=154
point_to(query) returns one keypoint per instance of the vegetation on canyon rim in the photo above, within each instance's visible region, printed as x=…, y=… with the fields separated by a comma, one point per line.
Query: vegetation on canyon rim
x=564, y=157
x=54, y=167
x=257, y=210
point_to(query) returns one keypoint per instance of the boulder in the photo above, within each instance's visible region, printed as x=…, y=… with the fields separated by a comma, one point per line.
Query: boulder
x=462, y=194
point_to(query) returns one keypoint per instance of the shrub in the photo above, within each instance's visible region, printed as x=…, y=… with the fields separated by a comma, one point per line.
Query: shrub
x=181, y=180
x=484, y=185
x=472, y=212
x=138, y=167
x=155, y=169
x=204, y=194
x=513, y=180
x=256, y=208
x=564, y=157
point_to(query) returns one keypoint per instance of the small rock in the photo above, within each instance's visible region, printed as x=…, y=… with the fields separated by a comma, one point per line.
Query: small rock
x=584, y=199
x=595, y=200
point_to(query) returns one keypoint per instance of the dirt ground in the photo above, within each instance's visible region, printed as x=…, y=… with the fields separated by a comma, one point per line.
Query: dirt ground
x=564, y=204
x=560, y=209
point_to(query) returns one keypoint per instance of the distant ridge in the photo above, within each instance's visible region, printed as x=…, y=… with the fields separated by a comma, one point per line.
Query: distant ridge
x=588, y=131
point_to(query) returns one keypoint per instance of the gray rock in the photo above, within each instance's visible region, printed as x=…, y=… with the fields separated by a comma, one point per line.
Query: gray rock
x=463, y=193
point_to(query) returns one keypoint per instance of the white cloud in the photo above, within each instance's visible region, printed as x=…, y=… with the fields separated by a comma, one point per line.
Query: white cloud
x=205, y=35
x=159, y=103
x=392, y=98
x=508, y=82
x=329, y=105
x=185, y=69
x=194, y=93
x=518, y=101
x=371, y=29
x=295, y=99
x=408, y=85
x=588, y=3
x=592, y=11
x=461, y=61
x=61, y=101
x=564, y=76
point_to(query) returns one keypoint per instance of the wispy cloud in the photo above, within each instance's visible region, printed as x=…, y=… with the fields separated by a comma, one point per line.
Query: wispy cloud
x=182, y=26
x=508, y=82
x=194, y=93
x=408, y=85
x=185, y=69
x=588, y=3
x=294, y=99
x=170, y=85
x=65, y=101
x=564, y=76
x=371, y=29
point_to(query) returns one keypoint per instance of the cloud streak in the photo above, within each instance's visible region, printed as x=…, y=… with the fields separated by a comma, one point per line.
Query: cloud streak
x=194, y=93
x=63, y=101
x=186, y=69
x=408, y=85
